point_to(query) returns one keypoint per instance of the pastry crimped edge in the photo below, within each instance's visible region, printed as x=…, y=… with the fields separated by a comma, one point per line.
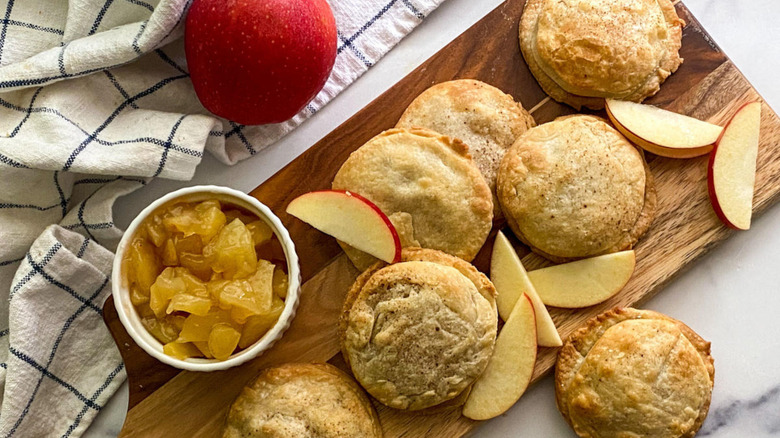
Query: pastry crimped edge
x=481, y=192
x=298, y=369
x=668, y=65
x=483, y=285
x=642, y=224
x=452, y=91
x=571, y=356
x=640, y=227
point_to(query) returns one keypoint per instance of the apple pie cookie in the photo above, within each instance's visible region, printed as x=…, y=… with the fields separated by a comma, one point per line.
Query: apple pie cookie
x=427, y=185
x=480, y=115
x=418, y=333
x=302, y=400
x=575, y=188
x=635, y=373
x=582, y=51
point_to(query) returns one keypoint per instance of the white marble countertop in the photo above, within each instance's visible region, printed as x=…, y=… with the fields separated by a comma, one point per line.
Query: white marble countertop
x=730, y=296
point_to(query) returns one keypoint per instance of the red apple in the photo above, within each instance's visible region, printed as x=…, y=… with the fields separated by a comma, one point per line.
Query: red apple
x=732, y=168
x=259, y=61
x=350, y=218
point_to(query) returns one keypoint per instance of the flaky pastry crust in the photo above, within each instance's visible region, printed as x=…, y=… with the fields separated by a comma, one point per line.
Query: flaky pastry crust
x=574, y=188
x=301, y=401
x=630, y=372
x=418, y=333
x=582, y=51
x=482, y=116
x=427, y=185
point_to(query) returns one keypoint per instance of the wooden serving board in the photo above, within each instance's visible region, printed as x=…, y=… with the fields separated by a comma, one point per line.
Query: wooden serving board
x=167, y=403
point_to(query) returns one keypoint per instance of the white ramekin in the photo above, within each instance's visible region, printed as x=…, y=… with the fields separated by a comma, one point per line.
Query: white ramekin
x=130, y=318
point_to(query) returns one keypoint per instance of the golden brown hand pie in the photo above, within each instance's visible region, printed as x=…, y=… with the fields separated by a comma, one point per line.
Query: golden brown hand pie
x=634, y=373
x=575, y=188
x=302, y=401
x=428, y=186
x=480, y=115
x=419, y=332
x=582, y=51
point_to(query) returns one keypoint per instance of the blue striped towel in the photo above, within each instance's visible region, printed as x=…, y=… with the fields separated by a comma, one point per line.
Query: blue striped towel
x=95, y=99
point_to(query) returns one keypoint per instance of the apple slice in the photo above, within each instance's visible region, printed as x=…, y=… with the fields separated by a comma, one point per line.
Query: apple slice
x=511, y=281
x=350, y=218
x=662, y=132
x=510, y=368
x=585, y=282
x=732, y=170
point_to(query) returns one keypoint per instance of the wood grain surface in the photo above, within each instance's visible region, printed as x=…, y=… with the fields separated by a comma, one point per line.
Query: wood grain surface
x=167, y=403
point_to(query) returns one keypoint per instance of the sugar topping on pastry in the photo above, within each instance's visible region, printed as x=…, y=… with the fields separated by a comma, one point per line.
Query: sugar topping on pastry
x=630, y=372
x=574, y=188
x=582, y=51
x=419, y=332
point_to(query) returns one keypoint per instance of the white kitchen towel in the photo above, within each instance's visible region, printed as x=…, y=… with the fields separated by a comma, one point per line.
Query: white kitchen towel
x=56, y=384
x=95, y=98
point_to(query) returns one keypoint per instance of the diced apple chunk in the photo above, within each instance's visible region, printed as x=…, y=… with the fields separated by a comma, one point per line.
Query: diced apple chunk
x=156, y=231
x=197, y=328
x=193, y=285
x=181, y=350
x=256, y=326
x=143, y=264
x=204, y=349
x=163, y=330
x=137, y=297
x=232, y=251
x=262, y=283
x=223, y=340
x=244, y=217
x=238, y=297
x=204, y=219
x=260, y=232
x=190, y=244
x=197, y=264
x=190, y=304
x=164, y=288
x=280, y=283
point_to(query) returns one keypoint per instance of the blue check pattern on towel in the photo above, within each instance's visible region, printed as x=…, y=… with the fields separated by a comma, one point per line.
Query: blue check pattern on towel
x=95, y=99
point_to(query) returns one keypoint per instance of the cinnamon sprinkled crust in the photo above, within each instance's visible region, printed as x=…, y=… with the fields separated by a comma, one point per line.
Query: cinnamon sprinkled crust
x=582, y=51
x=418, y=333
x=574, y=188
x=630, y=372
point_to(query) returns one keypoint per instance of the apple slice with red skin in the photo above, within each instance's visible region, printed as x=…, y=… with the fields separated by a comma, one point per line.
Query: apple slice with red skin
x=662, y=132
x=510, y=368
x=350, y=218
x=732, y=169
